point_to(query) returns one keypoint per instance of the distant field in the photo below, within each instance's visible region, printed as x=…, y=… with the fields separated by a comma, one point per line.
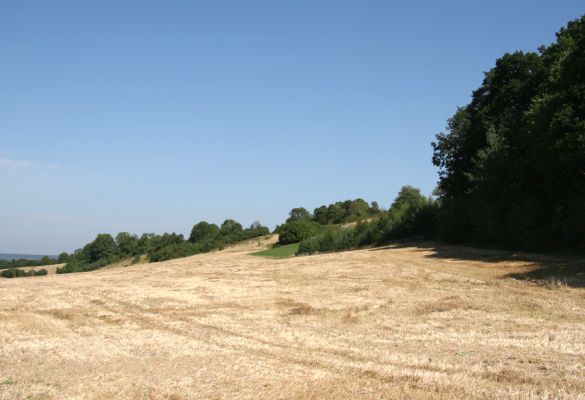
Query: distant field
x=279, y=252
x=16, y=256
x=393, y=323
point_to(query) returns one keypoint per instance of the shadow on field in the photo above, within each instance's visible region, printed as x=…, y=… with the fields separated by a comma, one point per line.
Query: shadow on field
x=546, y=269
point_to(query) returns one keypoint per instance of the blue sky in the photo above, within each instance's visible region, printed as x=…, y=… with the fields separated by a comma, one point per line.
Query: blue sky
x=148, y=116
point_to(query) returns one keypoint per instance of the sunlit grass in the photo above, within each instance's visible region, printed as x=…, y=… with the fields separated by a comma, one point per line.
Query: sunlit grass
x=279, y=252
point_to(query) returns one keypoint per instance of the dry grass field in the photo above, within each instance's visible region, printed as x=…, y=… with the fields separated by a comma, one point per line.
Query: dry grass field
x=396, y=323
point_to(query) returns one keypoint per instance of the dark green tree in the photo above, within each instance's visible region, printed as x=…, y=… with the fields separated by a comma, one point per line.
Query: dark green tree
x=296, y=231
x=230, y=227
x=63, y=258
x=103, y=247
x=299, y=214
x=127, y=244
x=203, y=230
x=512, y=163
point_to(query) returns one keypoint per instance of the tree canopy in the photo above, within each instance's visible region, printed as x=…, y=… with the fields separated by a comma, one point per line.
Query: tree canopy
x=512, y=162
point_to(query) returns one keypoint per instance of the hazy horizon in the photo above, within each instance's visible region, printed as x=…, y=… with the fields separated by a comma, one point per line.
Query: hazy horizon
x=149, y=117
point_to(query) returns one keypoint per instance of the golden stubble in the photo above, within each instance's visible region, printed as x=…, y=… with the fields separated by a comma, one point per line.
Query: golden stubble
x=389, y=323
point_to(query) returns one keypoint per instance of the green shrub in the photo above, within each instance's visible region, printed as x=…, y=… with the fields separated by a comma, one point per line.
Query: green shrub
x=18, y=273
x=203, y=231
x=296, y=231
x=411, y=215
x=309, y=246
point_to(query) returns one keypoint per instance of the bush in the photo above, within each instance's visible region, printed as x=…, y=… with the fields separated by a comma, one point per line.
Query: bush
x=296, y=231
x=175, y=250
x=309, y=246
x=18, y=273
x=203, y=230
x=332, y=239
x=40, y=272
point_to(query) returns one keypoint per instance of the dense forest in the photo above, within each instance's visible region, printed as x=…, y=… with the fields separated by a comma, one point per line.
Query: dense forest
x=511, y=165
x=511, y=174
x=512, y=162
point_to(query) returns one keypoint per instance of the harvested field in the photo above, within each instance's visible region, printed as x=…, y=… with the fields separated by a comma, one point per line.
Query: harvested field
x=400, y=322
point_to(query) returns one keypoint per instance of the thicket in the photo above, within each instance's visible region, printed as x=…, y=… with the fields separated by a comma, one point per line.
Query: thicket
x=345, y=211
x=411, y=215
x=302, y=224
x=18, y=273
x=296, y=231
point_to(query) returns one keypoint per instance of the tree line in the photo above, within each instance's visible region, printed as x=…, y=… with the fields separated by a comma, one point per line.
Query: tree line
x=302, y=224
x=204, y=237
x=512, y=161
x=410, y=215
x=25, y=262
x=511, y=174
x=511, y=166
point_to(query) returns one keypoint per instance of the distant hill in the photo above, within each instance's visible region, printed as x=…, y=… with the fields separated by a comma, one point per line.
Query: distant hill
x=16, y=256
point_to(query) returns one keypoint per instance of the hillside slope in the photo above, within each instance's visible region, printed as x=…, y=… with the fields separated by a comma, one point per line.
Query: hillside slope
x=410, y=322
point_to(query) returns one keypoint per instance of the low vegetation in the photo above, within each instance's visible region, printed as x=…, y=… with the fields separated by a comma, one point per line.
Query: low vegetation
x=19, y=273
x=279, y=251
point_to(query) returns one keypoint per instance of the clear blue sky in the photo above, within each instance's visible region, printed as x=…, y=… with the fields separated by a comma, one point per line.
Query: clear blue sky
x=148, y=116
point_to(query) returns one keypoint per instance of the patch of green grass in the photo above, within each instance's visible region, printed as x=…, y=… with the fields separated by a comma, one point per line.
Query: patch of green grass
x=279, y=252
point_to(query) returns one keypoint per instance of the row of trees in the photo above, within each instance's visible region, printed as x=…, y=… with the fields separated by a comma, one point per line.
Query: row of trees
x=204, y=237
x=511, y=165
x=511, y=173
x=512, y=162
x=302, y=224
x=336, y=213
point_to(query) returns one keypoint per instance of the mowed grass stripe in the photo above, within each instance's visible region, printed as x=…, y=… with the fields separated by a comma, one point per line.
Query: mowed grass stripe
x=279, y=252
